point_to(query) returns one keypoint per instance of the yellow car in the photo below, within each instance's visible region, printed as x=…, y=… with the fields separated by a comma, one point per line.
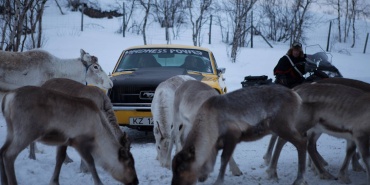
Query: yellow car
x=140, y=69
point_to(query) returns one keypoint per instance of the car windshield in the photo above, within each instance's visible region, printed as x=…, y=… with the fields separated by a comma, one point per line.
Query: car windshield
x=190, y=59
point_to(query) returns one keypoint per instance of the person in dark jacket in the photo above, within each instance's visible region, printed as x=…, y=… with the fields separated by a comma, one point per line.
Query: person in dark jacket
x=290, y=69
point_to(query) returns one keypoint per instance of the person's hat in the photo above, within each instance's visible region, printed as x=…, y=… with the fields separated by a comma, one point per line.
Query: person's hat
x=296, y=45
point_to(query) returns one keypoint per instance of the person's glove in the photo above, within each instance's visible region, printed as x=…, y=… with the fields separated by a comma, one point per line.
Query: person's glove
x=281, y=79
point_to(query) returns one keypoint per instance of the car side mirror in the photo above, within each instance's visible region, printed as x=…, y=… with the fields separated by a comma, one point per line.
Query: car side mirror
x=221, y=70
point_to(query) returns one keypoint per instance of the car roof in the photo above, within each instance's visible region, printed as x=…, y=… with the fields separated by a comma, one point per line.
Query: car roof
x=168, y=46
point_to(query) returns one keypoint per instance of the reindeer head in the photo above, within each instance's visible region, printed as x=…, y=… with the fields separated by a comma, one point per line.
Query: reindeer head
x=95, y=75
x=162, y=145
x=125, y=158
x=182, y=167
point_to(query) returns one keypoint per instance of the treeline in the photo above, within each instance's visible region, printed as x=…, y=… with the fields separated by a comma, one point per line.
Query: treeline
x=276, y=20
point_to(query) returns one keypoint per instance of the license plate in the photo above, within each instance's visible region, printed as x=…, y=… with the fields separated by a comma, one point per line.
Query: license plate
x=141, y=121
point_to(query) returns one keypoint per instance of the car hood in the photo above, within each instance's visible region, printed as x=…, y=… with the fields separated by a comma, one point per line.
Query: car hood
x=154, y=76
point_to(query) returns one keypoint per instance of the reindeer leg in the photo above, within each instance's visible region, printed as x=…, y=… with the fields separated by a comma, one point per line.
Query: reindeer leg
x=83, y=145
x=83, y=167
x=271, y=170
x=60, y=157
x=343, y=175
x=311, y=148
x=179, y=139
x=89, y=160
x=267, y=156
x=313, y=137
x=363, y=147
x=3, y=177
x=234, y=167
x=230, y=142
x=170, y=147
x=356, y=166
x=68, y=159
x=32, y=154
x=301, y=144
x=9, y=154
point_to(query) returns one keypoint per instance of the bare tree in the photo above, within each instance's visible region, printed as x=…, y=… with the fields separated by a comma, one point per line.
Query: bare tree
x=130, y=6
x=146, y=6
x=300, y=8
x=352, y=10
x=289, y=22
x=166, y=12
x=35, y=19
x=277, y=22
x=198, y=13
x=17, y=17
x=336, y=4
x=238, y=11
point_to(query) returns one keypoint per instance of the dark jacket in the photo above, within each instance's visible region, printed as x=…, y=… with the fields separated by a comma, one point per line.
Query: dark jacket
x=286, y=74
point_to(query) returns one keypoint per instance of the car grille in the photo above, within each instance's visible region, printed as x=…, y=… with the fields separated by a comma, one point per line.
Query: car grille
x=131, y=94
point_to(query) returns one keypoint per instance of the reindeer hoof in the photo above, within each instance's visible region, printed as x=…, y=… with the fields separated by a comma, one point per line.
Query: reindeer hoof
x=343, y=178
x=237, y=173
x=267, y=159
x=300, y=182
x=83, y=168
x=33, y=157
x=67, y=160
x=271, y=174
x=203, y=178
x=167, y=165
x=219, y=182
x=356, y=166
x=327, y=176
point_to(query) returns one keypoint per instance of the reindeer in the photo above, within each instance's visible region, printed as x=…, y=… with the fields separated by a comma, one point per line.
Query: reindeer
x=351, y=146
x=35, y=67
x=338, y=110
x=314, y=134
x=162, y=110
x=93, y=93
x=57, y=119
x=223, y=121
x=189, y=96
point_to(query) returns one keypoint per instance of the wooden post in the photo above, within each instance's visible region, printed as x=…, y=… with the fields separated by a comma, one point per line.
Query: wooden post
x=367, y=38
x=328, y=42
x=210, y=30
x=82, y=17
x=252, y=29
x=123, y=20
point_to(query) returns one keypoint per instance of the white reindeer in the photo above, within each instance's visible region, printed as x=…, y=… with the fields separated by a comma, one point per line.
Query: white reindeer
x=35, y=67
x=189, y=96
x=97, y=95
x=162, y=110
x=243, y=115
x=57, y=119
x=338, y=110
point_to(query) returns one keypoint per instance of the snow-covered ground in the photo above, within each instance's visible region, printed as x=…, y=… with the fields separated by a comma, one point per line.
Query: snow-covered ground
x=64, y=39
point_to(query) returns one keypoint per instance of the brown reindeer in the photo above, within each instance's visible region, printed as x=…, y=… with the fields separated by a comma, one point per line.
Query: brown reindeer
x=351, y=146
x=57, y=119
x=338, y=110
x=74, y=88
x=93, y=93
x=223, y=121
x=314, y=134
